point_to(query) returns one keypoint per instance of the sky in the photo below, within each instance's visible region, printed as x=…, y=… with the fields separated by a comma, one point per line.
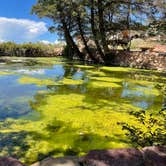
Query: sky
x=18, y=25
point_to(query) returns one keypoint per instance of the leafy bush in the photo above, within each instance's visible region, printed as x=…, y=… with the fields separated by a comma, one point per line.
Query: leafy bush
x=151, y=129
x=26, y=49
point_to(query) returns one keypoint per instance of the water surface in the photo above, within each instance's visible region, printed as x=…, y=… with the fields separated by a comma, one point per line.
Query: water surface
x=57, y=108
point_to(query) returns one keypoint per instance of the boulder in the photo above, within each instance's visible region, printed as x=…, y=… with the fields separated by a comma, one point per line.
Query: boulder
x=62, y=161
x=9, y=161
x=154, y=156
x=115, y=157
x=160, y=48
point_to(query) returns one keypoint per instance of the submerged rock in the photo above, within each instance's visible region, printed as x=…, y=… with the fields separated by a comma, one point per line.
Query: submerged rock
x=62, y=161
x=9, y=161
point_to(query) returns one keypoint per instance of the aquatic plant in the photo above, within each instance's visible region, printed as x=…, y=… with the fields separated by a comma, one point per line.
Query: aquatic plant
x=71, y=115
x=151, y=129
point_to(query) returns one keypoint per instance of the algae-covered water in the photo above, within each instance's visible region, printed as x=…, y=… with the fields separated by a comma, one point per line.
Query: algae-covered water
x=52, y=107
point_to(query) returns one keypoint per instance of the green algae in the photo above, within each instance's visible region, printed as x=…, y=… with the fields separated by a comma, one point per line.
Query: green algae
x=36, y=81
x=103, y=84
x=95, y=73
x=67, y=81
x=84, y=66
x=42, y=82
x=116, y=69
x=68, y=123
x=2, y=73
x=79, y=118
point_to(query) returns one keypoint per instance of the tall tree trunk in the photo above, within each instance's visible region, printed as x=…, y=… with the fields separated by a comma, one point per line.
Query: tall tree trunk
x=102, y=27
x=84, y=39
x=128, y=14
x=94, y=31
x=70, y=40
x=128, y=22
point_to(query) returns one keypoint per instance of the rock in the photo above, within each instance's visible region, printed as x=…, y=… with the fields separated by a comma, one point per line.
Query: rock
x=154, y=156
x=63, y=161
x=160, y=48
x=148, y=156
x=9, y=161
x=116, y=157
x=139, y=60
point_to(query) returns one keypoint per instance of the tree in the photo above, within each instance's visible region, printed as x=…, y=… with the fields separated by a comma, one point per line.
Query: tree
x=59, y=12
x=98, y=20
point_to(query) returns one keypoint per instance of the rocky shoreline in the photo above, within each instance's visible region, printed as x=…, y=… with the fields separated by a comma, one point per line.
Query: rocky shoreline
x=148, y=156
x=151, y=60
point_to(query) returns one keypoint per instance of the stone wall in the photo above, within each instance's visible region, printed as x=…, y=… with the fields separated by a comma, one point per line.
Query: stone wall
x=138, y=59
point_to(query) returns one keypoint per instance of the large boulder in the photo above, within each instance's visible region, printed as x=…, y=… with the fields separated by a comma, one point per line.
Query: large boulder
x=115, y=157
x=154, y=156
x=148, y=156
x=9, y=161
x=62, y=161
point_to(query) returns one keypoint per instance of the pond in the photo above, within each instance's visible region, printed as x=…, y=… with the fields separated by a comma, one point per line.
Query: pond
x=52, y=107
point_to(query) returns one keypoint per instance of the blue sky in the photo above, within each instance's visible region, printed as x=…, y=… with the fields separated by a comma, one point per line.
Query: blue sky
x=18, y=25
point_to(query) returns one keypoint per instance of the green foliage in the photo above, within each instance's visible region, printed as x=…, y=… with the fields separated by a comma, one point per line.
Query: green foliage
x=157, y=28
x=26, y=49
x=151, y=129
x=101, y=21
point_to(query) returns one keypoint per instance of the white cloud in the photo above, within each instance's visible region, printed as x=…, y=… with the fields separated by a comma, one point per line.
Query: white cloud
x=55, y=42
x=20, y=30
x=46, y=42
x=1, y=41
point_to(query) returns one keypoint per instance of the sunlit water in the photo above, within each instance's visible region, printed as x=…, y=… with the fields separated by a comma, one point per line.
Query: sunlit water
x=64, y=108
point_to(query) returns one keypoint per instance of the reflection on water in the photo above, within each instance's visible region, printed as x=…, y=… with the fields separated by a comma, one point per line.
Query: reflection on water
x=138, y=95
x=79, y=107
x=15, y=97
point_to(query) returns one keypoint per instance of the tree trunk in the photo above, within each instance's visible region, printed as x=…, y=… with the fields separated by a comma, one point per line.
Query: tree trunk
x=70, y=41
x=102, y=27
x=128, y=23
x=94, y=31
x=84, y=39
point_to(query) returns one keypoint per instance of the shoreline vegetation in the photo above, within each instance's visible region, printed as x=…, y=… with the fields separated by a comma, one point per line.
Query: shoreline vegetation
x=30, y=49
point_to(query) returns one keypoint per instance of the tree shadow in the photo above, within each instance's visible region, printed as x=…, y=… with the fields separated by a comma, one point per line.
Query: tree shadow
x=18, y=144
x=13, y=144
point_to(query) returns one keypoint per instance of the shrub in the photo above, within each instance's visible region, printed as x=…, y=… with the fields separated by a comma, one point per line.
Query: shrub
x=151, y=129
x=26, y=49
